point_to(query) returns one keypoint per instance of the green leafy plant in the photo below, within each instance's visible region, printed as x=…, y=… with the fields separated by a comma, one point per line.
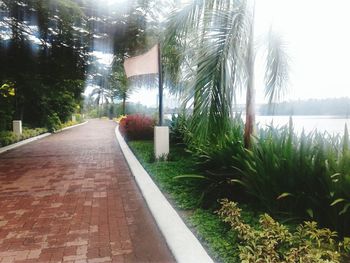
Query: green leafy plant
x=178, y=128
x=8, y=137
x=296, y=177
x=273, y=242
x=53, y=122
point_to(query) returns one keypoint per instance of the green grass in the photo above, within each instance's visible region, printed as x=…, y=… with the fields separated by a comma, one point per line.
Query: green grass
x=183, y=192
x=215, y=235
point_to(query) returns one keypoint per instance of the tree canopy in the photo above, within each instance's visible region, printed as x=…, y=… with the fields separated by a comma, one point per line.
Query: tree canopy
x=47, y=47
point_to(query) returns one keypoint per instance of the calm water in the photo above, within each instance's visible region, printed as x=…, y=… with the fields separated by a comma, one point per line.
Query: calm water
x=331, y=124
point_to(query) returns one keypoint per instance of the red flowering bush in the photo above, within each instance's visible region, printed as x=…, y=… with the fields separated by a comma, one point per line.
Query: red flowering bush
x=137, y=127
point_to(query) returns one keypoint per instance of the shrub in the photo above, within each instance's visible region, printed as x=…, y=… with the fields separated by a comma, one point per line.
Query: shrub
x=304, y=177
x=273, y=242
x=8, y=137
x=137, y=127
x=53, y=122
x=216, y=176
x=178, y=128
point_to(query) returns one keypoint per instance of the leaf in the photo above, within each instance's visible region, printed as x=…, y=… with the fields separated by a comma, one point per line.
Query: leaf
x=190, y=176
x=238, y=181
x=284, y=195
x=310, y=212
x=339, y=200
x=345, y=209
x=335, y=175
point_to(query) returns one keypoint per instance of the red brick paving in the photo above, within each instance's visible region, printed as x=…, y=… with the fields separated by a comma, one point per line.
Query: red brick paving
x=71, y=198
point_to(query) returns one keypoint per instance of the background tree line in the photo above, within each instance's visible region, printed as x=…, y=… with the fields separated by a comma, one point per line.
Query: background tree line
x=335, y=106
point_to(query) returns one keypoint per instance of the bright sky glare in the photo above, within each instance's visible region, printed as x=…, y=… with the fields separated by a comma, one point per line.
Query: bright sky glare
x=318, y=43
x=318, y=39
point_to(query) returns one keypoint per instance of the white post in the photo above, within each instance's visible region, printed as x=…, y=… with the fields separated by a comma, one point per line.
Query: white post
x=74, y=119
x=161, y=142
x=17, y=127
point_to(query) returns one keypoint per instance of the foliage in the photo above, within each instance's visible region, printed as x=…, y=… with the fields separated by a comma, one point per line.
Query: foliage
x=46, y=47
x=217, y=236
x=53, y=123
x=273, y=242
x=215, y=162
x=222, y=244
x=185, y=193
x=178, y=128
x=137, y=127
x=7, y=93
x=214, y=60
x=7, y=137
x=296, y=178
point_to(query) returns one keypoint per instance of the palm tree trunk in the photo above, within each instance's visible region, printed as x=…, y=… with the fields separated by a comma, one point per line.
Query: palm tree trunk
x=124, y=105
x=250, y=98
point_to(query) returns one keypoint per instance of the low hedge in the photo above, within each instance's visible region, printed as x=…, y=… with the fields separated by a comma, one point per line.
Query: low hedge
x=8, y=137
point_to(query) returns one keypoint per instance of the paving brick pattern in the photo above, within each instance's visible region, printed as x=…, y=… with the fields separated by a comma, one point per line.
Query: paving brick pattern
x=71, y=198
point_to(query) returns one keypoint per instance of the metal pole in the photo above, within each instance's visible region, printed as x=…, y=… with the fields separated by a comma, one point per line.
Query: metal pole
x=160, y=77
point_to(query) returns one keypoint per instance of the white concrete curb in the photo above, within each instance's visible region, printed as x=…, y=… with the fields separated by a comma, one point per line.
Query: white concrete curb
x=73, y=126
x=183, y=244
x=20, y=143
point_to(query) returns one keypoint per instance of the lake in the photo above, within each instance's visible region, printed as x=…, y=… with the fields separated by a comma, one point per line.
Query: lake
x=331, y=124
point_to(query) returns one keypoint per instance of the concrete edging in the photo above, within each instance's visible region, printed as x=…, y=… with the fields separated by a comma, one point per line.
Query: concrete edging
x=183, y=244
x=73, y=126
x=20, y=143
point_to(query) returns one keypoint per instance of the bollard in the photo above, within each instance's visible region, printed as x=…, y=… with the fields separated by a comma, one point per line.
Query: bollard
x=161, y=142
x=17, y=127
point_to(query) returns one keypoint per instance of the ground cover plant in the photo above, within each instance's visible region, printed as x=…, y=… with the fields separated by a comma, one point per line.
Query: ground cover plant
x=9, y=137
x=274, y=242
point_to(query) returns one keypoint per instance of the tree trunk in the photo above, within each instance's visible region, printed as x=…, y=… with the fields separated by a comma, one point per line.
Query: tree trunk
x=250, y=113
x=250, y=99
x=124, y=105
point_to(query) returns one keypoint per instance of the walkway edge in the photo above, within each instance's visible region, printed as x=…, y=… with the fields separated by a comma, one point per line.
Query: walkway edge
x=73, y=126
x=183, y=244
x=20, y=143
x=41, y=136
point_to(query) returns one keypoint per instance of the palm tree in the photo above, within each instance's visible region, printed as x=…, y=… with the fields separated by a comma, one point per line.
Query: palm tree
x=102, y=94
x=217, y=51
x=121, y=89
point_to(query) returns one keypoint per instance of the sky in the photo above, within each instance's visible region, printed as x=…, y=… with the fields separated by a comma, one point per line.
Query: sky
x=317, y=40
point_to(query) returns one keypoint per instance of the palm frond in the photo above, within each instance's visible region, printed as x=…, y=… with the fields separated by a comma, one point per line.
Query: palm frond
x=277, y=65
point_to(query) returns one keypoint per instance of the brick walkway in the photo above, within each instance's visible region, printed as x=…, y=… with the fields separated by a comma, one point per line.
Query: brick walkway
x=71, y=198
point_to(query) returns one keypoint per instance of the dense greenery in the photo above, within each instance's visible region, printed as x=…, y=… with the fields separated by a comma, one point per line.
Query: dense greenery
x=223, y=244
x=40, y=57
x=296, y=178
x=47, y=53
